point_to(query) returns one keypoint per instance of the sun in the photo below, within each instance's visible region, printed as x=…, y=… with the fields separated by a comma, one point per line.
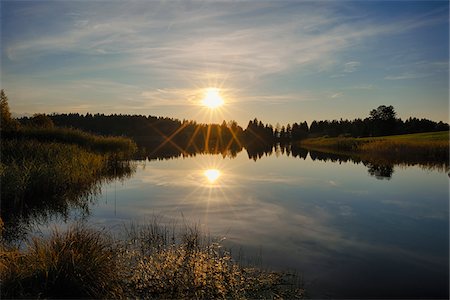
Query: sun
x=212, y=98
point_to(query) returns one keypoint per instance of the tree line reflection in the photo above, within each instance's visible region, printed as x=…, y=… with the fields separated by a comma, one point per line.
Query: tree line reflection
x=380, y=167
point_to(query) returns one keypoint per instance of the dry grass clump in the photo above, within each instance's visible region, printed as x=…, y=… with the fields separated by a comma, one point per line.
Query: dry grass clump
x=178, y=272
x=174, y=263
x=79, y=263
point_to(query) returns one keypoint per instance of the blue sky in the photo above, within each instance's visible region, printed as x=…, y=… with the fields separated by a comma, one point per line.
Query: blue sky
x=283, y=61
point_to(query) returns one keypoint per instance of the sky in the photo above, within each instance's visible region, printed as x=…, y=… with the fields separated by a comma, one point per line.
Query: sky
x=278, y=61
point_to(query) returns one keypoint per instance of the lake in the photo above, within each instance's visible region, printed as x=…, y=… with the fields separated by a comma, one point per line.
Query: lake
x=351, y=229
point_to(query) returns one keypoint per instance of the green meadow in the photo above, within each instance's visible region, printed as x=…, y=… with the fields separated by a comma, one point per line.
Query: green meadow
x=431, y=146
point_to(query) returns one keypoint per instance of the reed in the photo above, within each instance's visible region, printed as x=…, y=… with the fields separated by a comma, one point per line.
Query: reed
x=42, y=177
x=153, y=262
x=180, y=261
x=119, y=146
x=79, y=263
x=32, y=169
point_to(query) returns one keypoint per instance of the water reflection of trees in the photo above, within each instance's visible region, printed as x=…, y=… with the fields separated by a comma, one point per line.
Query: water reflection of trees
x=380, y=167
x=156, y=151
x=380, y=171
x=20, y=215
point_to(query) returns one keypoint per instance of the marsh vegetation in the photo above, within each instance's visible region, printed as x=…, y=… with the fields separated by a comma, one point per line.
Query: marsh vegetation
x=46, y=170
x=151, y=262
x=40, y=179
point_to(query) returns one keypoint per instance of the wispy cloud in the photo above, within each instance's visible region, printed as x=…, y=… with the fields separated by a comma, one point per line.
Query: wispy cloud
x=351, y=66
x=404, y=76
x=362, y=87
x=172, y=97
x=179, y=46
x=420, y=69
x=337, y=95
x=280, y=98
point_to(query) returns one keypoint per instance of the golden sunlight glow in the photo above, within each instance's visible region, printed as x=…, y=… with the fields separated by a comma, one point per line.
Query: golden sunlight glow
x=212, y=175
x=212, y=99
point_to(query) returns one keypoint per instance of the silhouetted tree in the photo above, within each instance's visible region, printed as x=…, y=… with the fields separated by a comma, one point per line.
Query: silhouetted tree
x=383, y=120
x=288, y=134
x=6, y=121
x=383, y=112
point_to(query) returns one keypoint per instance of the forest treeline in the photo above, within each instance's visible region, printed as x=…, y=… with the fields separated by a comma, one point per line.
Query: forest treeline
x=381, y=121
x=161, y=131
x=188, y=136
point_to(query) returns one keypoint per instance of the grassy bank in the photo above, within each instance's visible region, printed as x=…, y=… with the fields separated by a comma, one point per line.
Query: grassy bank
x=51, y=170
x=119, y=146
x=433, y=146
x=57, y=162
x=34, y=169
x=151, y=262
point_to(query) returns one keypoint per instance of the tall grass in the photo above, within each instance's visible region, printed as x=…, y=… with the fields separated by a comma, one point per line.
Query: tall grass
x=153, y=262
x=79, y=263
x=340, y=143
x=119, y=146
x=433, y=149
x=35, y=169
x=42, y=177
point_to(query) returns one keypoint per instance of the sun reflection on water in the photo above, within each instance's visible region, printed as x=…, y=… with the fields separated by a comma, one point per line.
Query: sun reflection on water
x=212, y=175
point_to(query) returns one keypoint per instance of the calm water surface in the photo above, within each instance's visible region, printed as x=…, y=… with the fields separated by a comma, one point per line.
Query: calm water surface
x=349, y=233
